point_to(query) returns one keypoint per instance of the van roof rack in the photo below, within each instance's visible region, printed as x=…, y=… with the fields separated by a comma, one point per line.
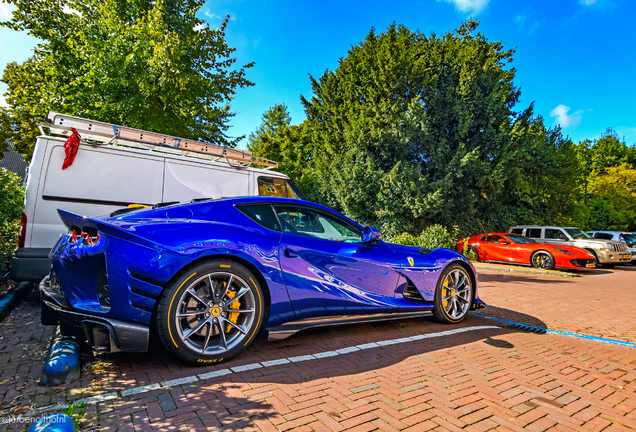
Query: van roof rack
x=112, y=134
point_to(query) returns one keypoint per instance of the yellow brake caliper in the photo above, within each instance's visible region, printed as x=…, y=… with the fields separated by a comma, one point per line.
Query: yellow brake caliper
x=445, y=293
x=232, y=316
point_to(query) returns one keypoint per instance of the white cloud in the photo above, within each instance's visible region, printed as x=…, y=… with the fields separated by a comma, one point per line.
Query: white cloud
x=6, y=11
x=199, y=27
x=587, y=2
x=474, y=6
x=563, y=118
x=211, y=15
x=3, y=102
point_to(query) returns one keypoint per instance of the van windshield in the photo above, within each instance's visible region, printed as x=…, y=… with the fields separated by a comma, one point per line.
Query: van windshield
x=278, y=187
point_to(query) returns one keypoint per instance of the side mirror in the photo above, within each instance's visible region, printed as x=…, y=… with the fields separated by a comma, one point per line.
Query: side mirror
x=503, y=242
x=370, y=234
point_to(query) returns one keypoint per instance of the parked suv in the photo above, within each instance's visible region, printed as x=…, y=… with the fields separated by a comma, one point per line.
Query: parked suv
x=625, y=237
x=606, y=252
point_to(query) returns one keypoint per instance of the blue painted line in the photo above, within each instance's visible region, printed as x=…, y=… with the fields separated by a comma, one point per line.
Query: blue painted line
x=12, y=298
x=54, y=423
x=562, y=333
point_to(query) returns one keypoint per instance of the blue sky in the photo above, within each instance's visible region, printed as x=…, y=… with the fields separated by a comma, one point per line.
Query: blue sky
x=574, y=58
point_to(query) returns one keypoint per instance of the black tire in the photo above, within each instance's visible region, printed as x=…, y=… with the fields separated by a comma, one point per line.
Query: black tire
x=443, y=310
x=220, y=333
x=542, y=260
x=472, y=251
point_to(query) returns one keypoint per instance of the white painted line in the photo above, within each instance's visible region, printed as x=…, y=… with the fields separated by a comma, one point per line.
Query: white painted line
x=137, y=390
x=214, y=374
x=275, y=362
x=326, y=354
x=301, y=358
x=246, y=367
x=180, y=381
x=347, y=350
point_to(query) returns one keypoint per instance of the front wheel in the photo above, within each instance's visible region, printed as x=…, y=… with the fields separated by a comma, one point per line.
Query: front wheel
x=542, y=260
x=210, y=313
x=453, y=295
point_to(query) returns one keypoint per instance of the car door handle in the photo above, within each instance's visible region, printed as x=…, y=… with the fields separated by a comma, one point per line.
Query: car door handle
x=290, y=253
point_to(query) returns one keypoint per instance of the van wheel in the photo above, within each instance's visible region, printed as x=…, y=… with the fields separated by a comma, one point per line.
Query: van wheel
x=210, y=313
x=453, y=295
x=542, y=260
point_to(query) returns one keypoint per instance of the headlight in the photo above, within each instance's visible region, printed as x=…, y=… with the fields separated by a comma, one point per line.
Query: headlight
x=564, y=251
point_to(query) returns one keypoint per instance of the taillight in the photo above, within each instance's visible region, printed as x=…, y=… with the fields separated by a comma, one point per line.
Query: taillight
x=22, y=237
x=88, y=236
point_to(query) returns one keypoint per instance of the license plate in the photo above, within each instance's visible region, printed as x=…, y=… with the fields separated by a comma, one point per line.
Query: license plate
x=590, y=265
x=627, y=256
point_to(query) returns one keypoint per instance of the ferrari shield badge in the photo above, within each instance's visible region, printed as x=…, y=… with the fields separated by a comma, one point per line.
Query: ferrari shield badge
x=411, y=261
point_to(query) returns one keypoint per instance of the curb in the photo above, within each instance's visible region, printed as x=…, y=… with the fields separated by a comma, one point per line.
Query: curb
x=504, y=269
x=54, y=423
x=62, y=365
x=13, y=298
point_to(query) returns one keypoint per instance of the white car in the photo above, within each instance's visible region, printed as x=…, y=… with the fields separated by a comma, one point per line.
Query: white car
x=622, y=236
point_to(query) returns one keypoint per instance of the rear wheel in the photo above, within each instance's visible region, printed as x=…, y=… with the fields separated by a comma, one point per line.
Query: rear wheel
x=210, y=313
x=453, y=295
x=542, y=260
x=472, y=253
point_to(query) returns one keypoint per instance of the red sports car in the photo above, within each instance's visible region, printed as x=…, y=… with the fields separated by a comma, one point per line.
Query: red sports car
x=513, y=248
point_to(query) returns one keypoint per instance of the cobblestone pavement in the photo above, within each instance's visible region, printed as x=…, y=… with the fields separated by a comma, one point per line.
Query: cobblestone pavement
x=476, y=380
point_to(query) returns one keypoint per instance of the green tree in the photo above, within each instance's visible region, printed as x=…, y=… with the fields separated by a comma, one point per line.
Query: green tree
x=151, y=65
x=272, y=122
x=287, y=144
x=613, y=202
x=412, y=129
x=11, y=202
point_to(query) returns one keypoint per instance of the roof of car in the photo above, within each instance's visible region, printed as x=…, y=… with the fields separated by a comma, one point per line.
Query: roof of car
x=611, y=232
x=541, y=226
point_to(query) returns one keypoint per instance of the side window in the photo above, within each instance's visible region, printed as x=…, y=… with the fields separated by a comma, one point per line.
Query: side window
x=604, y=236
x=276, y=187
x=312, y=223
x=533, y=232
x=555, y=234
x=517, y=231
x=262, y=214
x=492, y=238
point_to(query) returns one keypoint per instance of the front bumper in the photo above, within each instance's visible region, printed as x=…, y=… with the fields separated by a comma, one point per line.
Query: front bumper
x=611, y=257
x=104, y=334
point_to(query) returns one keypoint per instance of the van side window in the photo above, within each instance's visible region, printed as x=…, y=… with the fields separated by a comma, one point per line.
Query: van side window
x=533, y=232
x=517, y=231
x=276, y=187
x=262, y=214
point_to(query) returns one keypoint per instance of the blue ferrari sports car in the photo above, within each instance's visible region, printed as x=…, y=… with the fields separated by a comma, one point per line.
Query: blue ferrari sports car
x=207, y=276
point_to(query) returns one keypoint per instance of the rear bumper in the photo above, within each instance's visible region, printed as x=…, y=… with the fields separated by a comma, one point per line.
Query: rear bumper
x=104, y=334
x=30, y=264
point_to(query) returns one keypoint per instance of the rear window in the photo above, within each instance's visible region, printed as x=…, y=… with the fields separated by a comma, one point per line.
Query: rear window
x=533, y=232
x=262, y=214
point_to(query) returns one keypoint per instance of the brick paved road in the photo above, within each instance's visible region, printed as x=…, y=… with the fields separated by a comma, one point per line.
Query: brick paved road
x=472, y=381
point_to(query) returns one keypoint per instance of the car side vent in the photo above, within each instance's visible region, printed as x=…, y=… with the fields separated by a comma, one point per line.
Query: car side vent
x=411, y=293
x=101, y=284
x=425, y=251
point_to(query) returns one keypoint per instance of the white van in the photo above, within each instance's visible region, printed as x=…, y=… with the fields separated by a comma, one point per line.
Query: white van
x=105, y=178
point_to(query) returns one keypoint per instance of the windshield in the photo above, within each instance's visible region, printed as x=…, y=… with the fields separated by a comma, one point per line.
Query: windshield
x=520, y=239
x=630, y=239
x=278, y=187
x=577, y=233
